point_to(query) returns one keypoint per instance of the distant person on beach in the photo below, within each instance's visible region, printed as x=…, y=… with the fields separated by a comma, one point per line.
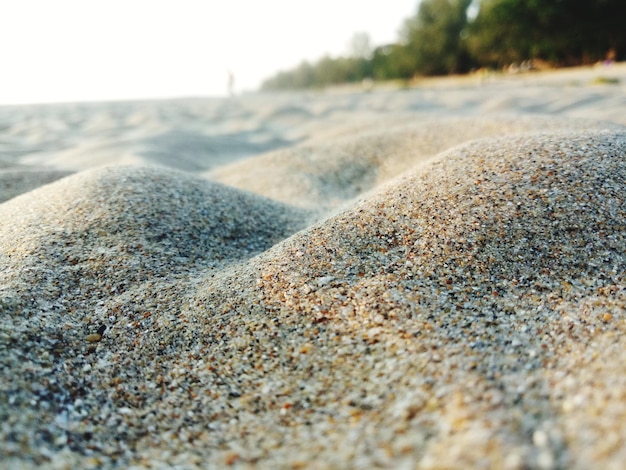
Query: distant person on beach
x=231, y=83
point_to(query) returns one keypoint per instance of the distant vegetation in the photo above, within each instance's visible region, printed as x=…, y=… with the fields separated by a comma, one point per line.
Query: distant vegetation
x=457, y=36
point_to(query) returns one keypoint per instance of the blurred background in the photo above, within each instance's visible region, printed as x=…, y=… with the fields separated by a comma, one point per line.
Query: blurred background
x=76, y=50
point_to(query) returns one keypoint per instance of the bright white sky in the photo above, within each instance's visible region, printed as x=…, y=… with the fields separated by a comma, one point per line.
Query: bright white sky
x=76, y=50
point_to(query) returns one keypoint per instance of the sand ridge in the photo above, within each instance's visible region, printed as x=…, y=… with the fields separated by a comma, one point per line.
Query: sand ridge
x=323, y=175
x=447, y=315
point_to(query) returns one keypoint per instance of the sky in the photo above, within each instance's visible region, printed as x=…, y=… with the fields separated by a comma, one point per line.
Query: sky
x=95, y=50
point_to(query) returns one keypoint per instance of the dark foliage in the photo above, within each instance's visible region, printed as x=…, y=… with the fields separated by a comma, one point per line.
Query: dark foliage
x=440, y=39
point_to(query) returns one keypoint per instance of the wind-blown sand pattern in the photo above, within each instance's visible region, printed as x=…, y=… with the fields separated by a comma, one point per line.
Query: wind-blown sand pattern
x=429, y=278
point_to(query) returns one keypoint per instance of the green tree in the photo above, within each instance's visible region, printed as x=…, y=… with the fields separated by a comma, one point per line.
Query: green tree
x=434, y=38
x=326, y=71
x=440, y=39
x=564, y=32
x=392, y=61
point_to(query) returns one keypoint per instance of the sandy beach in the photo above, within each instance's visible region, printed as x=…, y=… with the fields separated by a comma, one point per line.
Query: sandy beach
x=417, y=278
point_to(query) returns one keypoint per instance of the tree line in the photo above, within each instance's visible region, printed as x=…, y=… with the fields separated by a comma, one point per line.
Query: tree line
x=457, y=36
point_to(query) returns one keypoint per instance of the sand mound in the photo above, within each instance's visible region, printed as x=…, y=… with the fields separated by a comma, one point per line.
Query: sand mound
x=451, y=318
x=112, y=228
x=322, y=174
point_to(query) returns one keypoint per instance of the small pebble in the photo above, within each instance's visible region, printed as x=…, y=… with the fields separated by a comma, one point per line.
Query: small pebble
x=94, y=337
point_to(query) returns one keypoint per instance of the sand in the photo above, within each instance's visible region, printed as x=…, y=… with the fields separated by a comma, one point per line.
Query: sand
x=423, y=278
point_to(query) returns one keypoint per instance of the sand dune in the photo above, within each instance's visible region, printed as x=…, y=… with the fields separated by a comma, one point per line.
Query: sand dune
x=449, y=322
x=427, y=278
x=135, y=223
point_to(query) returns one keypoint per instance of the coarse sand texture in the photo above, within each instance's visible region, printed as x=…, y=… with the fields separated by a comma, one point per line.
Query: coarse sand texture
x=393, y=279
